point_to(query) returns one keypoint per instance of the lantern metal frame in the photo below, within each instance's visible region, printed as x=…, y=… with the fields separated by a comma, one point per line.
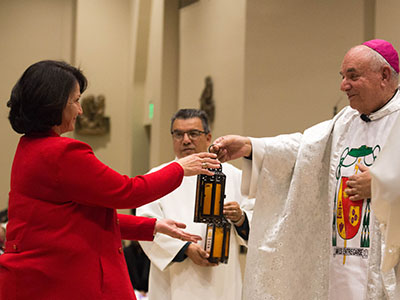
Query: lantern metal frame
x=210, y=196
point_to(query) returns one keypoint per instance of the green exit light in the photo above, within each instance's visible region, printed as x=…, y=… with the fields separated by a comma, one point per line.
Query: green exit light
x=151, y=111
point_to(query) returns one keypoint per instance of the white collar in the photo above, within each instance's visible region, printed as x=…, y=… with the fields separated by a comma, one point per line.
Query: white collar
x=390, y=107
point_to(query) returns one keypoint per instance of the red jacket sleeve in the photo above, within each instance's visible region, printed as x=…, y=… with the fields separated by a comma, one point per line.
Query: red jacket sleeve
x=136, y=228
x=84, y=179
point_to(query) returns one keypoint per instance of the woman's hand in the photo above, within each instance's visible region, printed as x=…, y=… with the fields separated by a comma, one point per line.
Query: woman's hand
x=173, y=229
x=199, y=163
x=230, y=147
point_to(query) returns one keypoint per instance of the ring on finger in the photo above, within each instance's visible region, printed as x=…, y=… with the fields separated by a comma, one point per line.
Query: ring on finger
x=204, y=165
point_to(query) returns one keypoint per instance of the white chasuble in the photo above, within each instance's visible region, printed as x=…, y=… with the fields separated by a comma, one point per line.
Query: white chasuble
x=307, y=240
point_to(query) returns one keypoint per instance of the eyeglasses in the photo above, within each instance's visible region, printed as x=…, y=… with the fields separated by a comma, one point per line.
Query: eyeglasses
x=192, y=134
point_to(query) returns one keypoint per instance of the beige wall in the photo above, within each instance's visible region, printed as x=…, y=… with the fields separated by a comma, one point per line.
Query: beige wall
x=293, y=55
x=387, y=21
x=102, y=50
x=140, y=24
x=162, y=77
x=212, y=43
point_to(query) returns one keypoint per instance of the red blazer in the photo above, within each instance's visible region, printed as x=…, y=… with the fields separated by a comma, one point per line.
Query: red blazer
x=64, y=235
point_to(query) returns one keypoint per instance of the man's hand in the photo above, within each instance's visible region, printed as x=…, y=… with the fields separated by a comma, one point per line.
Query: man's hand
x=230, y=147
x=359, y=185
x=233, y=212
x=198, y=255
x=173, y=229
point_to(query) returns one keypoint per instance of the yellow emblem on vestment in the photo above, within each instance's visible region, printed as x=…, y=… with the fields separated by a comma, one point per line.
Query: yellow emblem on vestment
x=354, y=215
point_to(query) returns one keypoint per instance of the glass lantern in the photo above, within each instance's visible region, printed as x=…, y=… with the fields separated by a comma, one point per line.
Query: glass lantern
x=217, y=241
x=210, y=195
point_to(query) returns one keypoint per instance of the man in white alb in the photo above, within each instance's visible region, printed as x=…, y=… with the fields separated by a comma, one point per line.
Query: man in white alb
x=180, y=270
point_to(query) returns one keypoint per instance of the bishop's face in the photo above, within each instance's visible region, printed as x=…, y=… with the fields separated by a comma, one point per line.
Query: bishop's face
x=360, y=82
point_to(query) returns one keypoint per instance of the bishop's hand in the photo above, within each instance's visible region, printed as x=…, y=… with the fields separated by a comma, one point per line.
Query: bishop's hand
x=359, y=185
x=230, y=147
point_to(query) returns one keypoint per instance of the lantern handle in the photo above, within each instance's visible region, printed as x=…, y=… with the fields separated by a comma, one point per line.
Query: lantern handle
x=209, y=149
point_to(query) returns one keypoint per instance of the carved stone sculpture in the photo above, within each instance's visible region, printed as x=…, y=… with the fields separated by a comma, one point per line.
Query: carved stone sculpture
x=207, y=101
x=93, y=121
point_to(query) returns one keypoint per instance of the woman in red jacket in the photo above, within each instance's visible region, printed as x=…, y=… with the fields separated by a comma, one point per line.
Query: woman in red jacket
x=64, y=235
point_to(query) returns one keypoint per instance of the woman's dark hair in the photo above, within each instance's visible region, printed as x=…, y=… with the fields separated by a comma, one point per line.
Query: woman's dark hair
x=41, y=94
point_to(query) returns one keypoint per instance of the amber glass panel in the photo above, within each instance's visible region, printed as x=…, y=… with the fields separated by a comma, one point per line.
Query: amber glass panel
x=218, y=241
x=217, y=199
x=228, y=234
x=196, y=208
x=207, y=199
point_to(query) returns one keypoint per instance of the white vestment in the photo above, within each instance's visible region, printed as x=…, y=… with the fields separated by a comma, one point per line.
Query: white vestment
x=186, y=280
x=295, y=179
x=386, y=195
